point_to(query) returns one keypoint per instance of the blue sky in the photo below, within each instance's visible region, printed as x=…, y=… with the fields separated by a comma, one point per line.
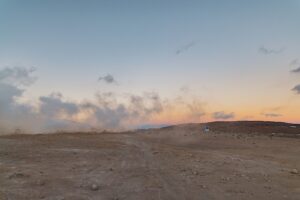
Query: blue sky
x=220, y=59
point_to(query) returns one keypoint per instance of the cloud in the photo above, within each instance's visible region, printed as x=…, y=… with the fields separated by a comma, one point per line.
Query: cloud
x=146, y=105
x=294, y=62
x=296, y=89
x=185, y=47
x=106, y=117
x=53, y=112
x=196, y=109
x=53, y=105
x=184, y=89
x=268, y=51
x=112, y=114
x=105, y=113
x=14, y=115
x=109, y=79
x=297, y=70
x=222, y=115
x=108, y=110
x=106, y=98
x=17, y=76
x=272, y=114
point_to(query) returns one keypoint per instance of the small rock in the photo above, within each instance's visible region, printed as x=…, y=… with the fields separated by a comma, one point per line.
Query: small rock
x=268, y=187
x=18, y=175
x=225, y=178
x=195, y=173
x=40, y=183
x=203, y=186
x=94, y=187
x=294, y=171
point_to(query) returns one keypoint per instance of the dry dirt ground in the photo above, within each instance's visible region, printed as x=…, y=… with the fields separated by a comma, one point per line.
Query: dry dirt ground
x=172, y=163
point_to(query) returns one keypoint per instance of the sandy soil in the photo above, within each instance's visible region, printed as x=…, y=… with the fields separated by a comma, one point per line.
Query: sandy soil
x=173, y=163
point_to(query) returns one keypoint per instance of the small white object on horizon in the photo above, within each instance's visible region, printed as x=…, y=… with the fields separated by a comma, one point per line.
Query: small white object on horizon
x=206, y=129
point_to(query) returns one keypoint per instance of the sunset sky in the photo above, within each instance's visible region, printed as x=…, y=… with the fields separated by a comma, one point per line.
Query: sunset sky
x=177, y=61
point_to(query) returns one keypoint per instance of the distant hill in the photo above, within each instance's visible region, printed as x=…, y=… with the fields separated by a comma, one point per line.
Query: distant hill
x=246, y=127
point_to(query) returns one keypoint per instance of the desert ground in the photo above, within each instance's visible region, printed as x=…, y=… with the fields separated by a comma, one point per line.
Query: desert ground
x=239, y=160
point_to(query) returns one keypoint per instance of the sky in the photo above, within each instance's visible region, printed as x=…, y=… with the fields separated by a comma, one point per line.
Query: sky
x=125, y=64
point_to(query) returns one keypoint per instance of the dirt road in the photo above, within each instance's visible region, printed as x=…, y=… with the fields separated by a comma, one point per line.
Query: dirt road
x=178, y=163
